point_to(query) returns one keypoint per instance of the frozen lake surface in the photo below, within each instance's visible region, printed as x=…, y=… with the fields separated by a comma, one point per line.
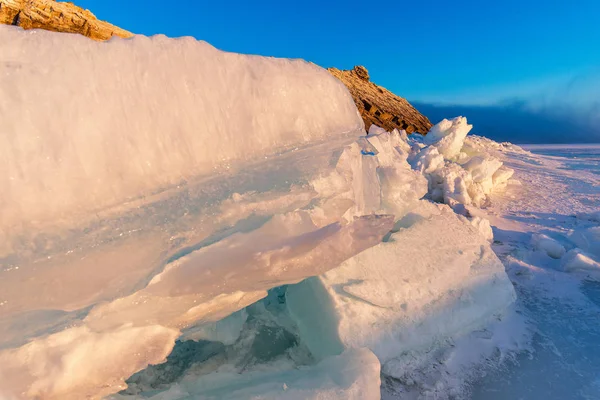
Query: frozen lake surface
x=559, y=182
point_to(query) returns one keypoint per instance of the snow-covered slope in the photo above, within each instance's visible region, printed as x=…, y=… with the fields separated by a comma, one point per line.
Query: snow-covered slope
x=159, y=189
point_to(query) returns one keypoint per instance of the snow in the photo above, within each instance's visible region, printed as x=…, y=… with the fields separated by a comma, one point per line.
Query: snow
x=551, y=211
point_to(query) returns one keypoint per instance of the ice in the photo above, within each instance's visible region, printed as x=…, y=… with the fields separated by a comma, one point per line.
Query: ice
x=183, y=186
x=577, y=260
x=395, y=297
x=179, y=185
x=448, y=136
x=548, y=245
x=502, y=176
x=226, y=330
x=428, y=160
x=587, y=239
x=204, y=287
x=460, y=169
x=57, y=366
x=89, y=126
x=482, y=169
x=351, y=375
x=483, y=226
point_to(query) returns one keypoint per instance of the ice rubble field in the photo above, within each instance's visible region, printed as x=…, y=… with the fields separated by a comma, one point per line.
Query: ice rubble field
x=226, y=214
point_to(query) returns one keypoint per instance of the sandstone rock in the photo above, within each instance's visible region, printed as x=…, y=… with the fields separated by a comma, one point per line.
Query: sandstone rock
x=378, y=105
x=57, y=16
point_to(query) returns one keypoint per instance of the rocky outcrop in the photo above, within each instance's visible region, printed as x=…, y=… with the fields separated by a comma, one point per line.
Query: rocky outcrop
x=57, y=16
x=378, y=105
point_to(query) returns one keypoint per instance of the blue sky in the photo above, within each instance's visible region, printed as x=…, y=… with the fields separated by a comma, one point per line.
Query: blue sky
x=451, y=52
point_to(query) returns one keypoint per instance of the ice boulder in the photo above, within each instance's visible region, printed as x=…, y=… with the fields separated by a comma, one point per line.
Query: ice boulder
x=436, y=279
x=482, y=168
x=501, y=176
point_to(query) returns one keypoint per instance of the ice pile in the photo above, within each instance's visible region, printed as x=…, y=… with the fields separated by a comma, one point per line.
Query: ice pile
x=232, y=202
x=433, y=280
x=460, y=170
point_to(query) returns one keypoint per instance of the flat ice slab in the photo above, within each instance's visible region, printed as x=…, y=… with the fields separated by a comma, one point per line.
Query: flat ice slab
x=433, y=280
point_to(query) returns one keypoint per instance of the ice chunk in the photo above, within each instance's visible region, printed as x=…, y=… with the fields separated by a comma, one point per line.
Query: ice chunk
x=401, y=187
x=482, y=168
x=459, y=171
x=577, y=260
x=80, y=363
x=483, y=226
x=456, y=184
x=548, y=245
x=427, y=160
x=502, y=175
x=351, y=375
x=376, y=130
x=434, y=280
x=587, y=239
x=199, y=289
x=448, y=136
